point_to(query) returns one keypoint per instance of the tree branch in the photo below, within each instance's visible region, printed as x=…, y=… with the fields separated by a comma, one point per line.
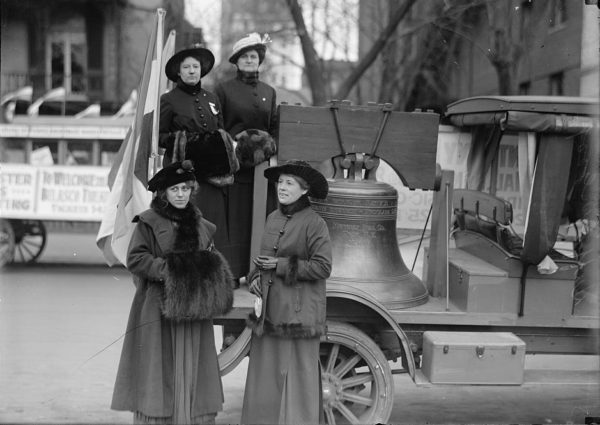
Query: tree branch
x=377, y=47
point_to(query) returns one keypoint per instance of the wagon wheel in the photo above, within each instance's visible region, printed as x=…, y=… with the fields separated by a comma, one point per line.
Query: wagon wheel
x=30, y=240
x=356, y=377
x=7, y=242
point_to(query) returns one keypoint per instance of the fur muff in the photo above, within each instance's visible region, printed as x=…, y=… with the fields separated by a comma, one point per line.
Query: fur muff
x=213, y=154
x=253, y=147
x=199, y=283
x=199, y=286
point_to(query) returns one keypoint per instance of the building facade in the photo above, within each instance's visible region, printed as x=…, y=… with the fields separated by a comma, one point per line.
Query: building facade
x=556, y=52
x=446, y=50
x=95, y=49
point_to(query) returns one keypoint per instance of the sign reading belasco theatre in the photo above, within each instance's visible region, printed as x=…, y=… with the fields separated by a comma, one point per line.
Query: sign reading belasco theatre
x=53, y=192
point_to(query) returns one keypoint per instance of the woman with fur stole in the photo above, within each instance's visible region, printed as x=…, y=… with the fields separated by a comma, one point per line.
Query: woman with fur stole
x=283, y=385
x=168, y=372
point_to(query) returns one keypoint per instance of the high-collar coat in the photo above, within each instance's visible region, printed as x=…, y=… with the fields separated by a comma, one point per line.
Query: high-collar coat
x=196, y=110
x=245, y=105
x=284, y=384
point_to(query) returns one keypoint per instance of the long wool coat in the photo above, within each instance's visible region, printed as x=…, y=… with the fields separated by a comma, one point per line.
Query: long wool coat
x=283, y=383
x=245, y=105
x=146, y=379
x=196, y=110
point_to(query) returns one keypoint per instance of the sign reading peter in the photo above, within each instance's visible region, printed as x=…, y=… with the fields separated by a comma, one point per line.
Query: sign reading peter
x=17, y=190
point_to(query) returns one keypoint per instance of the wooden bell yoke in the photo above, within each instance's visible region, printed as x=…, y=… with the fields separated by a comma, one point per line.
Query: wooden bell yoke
x=405, y=140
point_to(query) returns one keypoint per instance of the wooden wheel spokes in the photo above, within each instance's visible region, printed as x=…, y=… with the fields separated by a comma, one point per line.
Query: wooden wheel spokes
x=346, y=366
x=332, y=357
x=30, y=240
x=356, y=378
x=7, y=242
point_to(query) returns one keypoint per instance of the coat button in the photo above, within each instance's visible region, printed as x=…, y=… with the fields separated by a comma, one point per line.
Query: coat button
x=196, y=100
x=201, y=115
x=204, y=124
x=275, y=248
x=281, y=232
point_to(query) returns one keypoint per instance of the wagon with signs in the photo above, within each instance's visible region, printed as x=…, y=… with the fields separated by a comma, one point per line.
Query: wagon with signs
x=54, y=169
x=509, y=244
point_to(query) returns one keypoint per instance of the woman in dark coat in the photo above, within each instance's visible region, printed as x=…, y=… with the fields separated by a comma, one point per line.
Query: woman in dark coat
x=250, y=117
x=168, y=372
x=283, y=385
x=190, y=127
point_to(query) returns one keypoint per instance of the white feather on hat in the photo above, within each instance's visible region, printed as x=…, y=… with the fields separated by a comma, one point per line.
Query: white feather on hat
x=252, y=41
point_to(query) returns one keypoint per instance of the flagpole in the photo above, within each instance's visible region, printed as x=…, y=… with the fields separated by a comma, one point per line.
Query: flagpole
x=156, y=113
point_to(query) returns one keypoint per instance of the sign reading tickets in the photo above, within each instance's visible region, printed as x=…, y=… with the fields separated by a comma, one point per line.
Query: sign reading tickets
x=76, y=193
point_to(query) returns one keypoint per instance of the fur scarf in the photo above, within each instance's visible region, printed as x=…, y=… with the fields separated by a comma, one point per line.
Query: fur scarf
x=199, y=283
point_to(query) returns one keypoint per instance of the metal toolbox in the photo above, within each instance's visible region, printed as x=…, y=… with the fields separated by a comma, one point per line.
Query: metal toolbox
x=494, y=358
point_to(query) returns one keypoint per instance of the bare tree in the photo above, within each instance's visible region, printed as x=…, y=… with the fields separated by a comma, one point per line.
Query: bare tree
x=417, y=57
x=314, y=69
x=313, y=64
x=505, y=49
x=377, y=47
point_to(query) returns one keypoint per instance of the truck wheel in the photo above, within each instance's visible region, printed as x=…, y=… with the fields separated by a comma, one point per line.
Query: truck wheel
x=7, y=242
x=234, y=353
x=356, y=377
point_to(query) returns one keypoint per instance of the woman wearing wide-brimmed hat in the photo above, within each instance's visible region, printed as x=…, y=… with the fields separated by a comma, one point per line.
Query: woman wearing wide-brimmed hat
x=169, y=372
x=283, y=385
x=191, y=127
x=250, y=117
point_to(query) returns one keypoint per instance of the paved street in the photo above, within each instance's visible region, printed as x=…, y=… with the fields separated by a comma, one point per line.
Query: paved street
x=60, y=340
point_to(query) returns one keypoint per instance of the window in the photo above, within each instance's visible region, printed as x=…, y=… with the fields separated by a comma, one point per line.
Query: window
x=67, y=52
x=556, y=84
x=67, y=63
x=44, y=152
x=558, y=13
x=79, y=153
x=108, y=151
x=524, y=88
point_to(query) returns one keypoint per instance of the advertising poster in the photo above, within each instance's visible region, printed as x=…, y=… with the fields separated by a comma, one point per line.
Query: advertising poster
x=53, y=192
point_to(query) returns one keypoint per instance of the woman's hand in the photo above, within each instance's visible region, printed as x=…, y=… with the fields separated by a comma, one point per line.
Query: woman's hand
x=265, y=262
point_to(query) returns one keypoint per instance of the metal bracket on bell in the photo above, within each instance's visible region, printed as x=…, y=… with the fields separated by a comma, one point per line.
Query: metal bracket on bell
x=372, y=161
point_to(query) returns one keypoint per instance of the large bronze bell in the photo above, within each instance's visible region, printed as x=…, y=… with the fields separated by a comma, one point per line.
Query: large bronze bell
x=361, y=216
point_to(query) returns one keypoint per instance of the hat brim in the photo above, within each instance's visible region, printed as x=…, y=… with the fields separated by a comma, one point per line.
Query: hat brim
x=207, y=61
x=318, y=186
x=260, y=48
